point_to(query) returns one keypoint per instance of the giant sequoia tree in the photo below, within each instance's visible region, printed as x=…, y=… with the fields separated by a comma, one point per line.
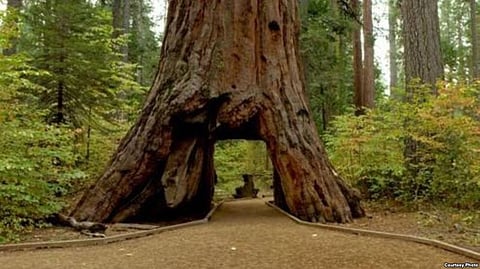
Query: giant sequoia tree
x=228, y=69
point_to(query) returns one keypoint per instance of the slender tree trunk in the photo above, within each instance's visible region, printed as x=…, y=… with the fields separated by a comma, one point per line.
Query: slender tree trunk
x=392, y=37
x=15, y=5
x=60, y=113
x=368, y=65
x=59, y=117
x=474, y=33
x=461, y=55
x=325, y=114
x=117, y=17
x=89, y=140
x=138, y=28
x=228, y=69
x=125, y=26
x=89, y=137
x=357, y=63
x=121, y=23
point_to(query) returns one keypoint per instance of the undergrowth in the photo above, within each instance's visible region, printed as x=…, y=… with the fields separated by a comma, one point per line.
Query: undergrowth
x=370, y=150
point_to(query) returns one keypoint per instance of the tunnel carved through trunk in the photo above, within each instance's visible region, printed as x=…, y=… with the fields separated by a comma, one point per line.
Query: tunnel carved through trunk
x=228, y=69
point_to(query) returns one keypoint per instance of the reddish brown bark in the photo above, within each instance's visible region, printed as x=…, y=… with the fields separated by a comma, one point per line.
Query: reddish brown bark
x=228, y=69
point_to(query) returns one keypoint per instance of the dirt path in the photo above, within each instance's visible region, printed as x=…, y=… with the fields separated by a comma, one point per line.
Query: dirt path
x=261, y=238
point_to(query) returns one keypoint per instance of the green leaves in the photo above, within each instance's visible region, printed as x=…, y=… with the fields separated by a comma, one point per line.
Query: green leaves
x=369, y=151
x=324, y=45
x=72, y=41
x=66, y=63
x=38, y=167
x=235, y=158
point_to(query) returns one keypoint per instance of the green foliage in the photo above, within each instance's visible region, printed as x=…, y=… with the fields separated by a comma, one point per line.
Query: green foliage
x=97, y=150
x=369, y=151
x=8, y=28
x=143, y=45
x=323, y=41
x=37, y=166
x=42, y=165
x=455, y=38
x=235, y=158
x=72, y=41
x=35, y=161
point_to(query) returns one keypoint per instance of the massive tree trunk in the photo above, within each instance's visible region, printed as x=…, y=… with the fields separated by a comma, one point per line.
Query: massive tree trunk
x=228, y=69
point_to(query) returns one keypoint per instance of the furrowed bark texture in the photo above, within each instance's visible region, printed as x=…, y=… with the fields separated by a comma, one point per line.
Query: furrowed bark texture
x=423, y=62
x=228, y=69
x=421, y=34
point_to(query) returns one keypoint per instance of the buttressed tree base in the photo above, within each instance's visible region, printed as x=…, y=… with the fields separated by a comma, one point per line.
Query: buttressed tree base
x=229, y=69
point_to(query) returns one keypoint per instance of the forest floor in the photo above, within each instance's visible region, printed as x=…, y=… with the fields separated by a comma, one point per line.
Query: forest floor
x=242, y=234
x=454, y=227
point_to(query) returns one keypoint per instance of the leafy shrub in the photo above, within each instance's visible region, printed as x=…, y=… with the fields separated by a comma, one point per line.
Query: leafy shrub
x=37, y=166
x=369, y=151
x=41, y=164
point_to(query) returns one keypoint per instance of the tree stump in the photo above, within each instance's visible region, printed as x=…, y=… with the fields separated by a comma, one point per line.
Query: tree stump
x=248, y=189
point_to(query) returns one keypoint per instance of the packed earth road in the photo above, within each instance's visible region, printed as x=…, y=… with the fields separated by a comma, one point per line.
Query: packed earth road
x=241, y=234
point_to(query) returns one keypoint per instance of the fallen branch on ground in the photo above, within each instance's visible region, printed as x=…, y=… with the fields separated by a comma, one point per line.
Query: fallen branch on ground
x=91, y=227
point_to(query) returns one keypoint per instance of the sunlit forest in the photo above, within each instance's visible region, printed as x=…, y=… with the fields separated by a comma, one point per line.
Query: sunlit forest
x=74, y=76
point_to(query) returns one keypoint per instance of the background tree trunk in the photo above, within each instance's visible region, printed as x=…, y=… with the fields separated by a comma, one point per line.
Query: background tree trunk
x=117, y=17
x=474, y=33
x=228, y=69
x=125, y=26
x=423, y=62
x=392, y=37
x=368, y=64
x=121, y=23
x=423, y=58
x=357, y=63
